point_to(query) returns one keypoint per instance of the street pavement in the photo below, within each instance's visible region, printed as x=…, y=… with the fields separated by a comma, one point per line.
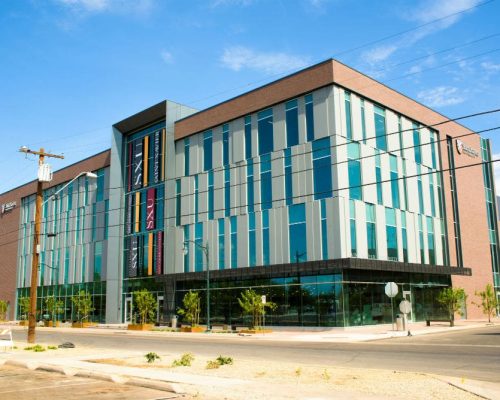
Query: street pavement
x=467, y=356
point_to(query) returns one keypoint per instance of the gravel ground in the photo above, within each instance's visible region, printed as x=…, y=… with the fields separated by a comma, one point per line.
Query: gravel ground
x=273, y=380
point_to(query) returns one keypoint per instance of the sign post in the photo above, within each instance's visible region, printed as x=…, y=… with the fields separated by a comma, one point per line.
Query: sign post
x=263, y=298
x=391, y=290
x=405, y=308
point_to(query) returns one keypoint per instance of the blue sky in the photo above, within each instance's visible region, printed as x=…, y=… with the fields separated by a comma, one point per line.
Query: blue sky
x=71, y=68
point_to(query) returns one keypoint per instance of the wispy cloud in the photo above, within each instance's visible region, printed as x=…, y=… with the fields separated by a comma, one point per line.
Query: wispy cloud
x=489, y=66
x=378, y=54
x=441, y=96
x=239, y=57
x=167, y=57
x=99, y=6
x=445, y=11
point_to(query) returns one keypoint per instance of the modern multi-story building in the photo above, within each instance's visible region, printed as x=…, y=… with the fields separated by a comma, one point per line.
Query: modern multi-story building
x=315, y=190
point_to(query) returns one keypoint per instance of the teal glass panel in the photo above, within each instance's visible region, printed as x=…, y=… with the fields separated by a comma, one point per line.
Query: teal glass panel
x=266, y=191
x=221, y=243
x=265, y=131
x=250, y=187
x=292, y=123
x=348, y=116
x=322, y=168
x=265, y=238
x=309, y=109
x=380, y=129
x=234, y=242
x=248, y=137
x=288, y=176
x=297, y=232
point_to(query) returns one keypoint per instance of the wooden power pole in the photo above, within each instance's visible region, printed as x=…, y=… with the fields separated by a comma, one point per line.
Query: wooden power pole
x=36, y=241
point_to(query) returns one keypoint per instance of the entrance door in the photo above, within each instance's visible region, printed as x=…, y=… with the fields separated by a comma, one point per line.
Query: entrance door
x=159, y=309
x=407, y=296
x=128, y=310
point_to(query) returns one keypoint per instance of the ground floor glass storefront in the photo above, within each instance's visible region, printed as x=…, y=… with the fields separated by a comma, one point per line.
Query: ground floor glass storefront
x=97, y=292
x=347, y=298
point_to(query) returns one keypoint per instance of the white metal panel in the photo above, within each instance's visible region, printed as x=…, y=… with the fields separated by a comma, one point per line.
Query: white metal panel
x=237, y=140
x=362, y=244
x=370, y=124
x=279, y=126
x=357, y=132
x=320, y=113
x=368, y=174
x=407, y=133
x=381, y=233
x=386, y=176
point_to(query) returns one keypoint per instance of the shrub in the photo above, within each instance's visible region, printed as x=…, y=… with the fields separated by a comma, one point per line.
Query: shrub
x=251, y=303
x=211, y=364
x=224, y=360
x=185, y=360
x=191, y=310
x=83, y=305
x=145, y=303
x=151, y=357
x=24, y=307
x=54, y=306
x=3, y=309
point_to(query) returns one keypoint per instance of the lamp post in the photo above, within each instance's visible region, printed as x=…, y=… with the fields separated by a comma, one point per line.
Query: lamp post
x=185, y=250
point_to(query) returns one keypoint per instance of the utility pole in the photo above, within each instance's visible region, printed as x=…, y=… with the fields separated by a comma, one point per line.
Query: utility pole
x=36, y=240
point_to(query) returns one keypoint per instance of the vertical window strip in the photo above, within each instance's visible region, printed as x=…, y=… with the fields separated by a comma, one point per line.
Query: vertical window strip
x=378, y=177
x=227, y=192
x=288, y=176
x=198, y=252
x=250, y=187
x=186, y=157
x=265, y=131
x=292, y=123
x=248, y=137
x=431, y=193
x=252, y=249
x=324, y=230
x=221, y=238
x=266, y=245
x=404, y=236
x=322, y=168
x=380, y=128
x=225, y=144
x=420, y=171
x=433, y=149
x=309, y=117
x=421, y=239
x=416, y=144
x=430, y=241
x=207, y=150
x=391, y=234
x=348, y=115
x=394, y=181
x=363, y=120
x=211, y=194
x=352, y=226
x=371, y=231
x=400, y=135
x=354, y=171
x=234, y=242
x=297, y=233
x=178, y=202
x=266, y=182
x=187, y=245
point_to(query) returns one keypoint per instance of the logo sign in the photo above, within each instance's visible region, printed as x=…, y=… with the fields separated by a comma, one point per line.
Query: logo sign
x=463, y=148
x=8, y=206
x=263, y=298
x=391, y=289
x=405, y=307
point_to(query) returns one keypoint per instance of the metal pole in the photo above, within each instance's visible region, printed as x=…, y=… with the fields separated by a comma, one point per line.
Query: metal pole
x=392, y=312
x=208, y=287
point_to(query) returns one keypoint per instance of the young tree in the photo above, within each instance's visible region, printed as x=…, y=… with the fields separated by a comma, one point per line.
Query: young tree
x=452, y=299
x=54, y=306
x=489, y=301
x=145, y=303
x=3, y=310
x=24, y=307
x=192, y=307
x=83, y=305
x=251, y=303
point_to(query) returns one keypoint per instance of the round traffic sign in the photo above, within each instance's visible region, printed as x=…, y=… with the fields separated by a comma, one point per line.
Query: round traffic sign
x=405, y=307
x=391, y=289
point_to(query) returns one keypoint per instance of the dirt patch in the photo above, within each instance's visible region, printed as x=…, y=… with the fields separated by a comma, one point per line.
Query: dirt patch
x=279, y=380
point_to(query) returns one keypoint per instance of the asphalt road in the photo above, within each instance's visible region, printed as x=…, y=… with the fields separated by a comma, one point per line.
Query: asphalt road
x=16, y=383
x=472, y=353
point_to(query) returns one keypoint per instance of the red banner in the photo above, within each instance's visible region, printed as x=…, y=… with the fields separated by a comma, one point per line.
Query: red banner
x=159, y=253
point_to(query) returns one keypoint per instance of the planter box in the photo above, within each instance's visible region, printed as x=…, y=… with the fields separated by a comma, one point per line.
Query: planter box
x=193, y=329
x=50, y=324
x=83, y=324
x=255, y=331
x=140, y=327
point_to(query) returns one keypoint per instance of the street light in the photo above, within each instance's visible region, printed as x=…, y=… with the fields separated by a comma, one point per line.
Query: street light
x=86, y=173
x=185, y=250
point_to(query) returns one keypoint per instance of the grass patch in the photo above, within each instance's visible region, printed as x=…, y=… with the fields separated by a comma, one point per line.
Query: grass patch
x=52, y=347
x=36, y=348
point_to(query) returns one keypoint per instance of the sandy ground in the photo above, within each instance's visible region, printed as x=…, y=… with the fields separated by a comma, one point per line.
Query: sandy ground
x=273, y=380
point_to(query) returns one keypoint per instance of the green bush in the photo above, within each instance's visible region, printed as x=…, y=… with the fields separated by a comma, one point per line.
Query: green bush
x=211, y=364
x=185, y=360
x=151, y=357
x=191, y=310
x=145, y=303
x=224, y=360
x=82, y=302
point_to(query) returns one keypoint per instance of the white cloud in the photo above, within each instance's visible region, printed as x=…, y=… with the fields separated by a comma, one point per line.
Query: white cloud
x=99, y=6
x=431, y=10
x=490, y=67
x=441, y=96
x=166, y=56
x=239, y=57
x=378, y=54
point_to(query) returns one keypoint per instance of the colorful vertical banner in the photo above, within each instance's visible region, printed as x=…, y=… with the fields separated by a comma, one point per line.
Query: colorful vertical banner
x=159, y=253
x=137, y=205
x=145, y=181
x=150, y=209
x=163, y=152
x=156, y=157
x=150, y=253
x=129, y=212
x=133, y=257
x=137, y=175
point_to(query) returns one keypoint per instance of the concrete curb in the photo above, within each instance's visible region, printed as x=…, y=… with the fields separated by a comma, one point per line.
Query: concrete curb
x=476, y=388
x=82, y=373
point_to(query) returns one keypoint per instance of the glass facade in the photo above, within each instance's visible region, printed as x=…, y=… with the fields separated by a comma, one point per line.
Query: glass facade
x=297, y=233
x=322, y=168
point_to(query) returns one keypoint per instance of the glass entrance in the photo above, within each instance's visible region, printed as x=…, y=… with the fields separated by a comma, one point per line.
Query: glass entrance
x=128, y=310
